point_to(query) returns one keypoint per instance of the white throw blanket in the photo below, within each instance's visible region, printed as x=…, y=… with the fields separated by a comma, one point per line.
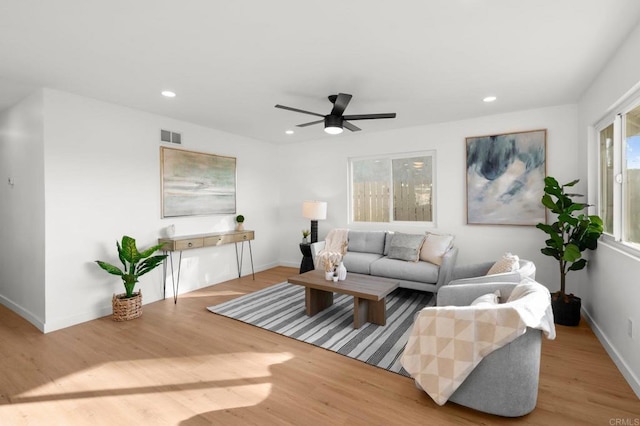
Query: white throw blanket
x=448, y=342
x=334, y=242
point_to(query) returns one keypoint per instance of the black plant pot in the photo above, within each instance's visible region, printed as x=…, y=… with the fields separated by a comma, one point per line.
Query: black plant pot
x=566, y=309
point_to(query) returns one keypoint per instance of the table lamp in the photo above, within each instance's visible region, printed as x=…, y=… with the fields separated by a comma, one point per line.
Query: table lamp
x=315, y=211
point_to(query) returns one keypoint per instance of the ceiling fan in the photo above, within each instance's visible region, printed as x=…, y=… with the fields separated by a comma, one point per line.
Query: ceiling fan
x=335, y=120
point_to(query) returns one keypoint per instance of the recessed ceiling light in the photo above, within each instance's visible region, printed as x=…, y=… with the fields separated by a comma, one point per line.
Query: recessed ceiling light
x=168, y=94
x=289, y=132
x=489, y=99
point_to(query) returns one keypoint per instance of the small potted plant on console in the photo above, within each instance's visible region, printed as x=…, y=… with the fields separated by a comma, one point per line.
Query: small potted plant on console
x=240, y=223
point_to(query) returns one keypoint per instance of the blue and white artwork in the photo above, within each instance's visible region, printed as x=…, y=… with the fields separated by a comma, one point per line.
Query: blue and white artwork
x=195, y=183
x=505, y=178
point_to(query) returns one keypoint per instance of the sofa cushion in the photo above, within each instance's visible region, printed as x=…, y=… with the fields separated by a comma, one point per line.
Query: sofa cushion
x=435, y=246
x=406, y=246
x=366, y=241
x=423, y=272
x=359, y=262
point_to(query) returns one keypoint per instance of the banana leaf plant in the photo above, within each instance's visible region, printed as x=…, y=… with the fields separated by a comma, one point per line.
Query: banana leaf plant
x=135, y=264
x=572, y=233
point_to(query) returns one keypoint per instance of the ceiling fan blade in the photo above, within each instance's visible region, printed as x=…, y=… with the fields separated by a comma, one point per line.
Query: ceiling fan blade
x=350, y=126
x=342, y=100
x=311, y=123
x=298, y=110
x=370, y=116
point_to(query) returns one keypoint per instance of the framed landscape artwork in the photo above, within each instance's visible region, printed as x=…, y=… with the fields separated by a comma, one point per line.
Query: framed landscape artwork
x=195, y=183
x=505, y=178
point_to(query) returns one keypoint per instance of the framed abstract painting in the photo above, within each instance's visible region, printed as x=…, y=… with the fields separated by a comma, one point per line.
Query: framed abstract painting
x=196, y=183
x=505, y=178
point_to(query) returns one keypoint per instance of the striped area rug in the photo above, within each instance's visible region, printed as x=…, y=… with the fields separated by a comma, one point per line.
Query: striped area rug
x=280, y=308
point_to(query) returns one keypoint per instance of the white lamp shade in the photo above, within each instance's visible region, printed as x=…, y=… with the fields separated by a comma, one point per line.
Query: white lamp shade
x=314, y=210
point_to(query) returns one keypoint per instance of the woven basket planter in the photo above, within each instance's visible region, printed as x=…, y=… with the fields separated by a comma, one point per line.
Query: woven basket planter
x=127, y=309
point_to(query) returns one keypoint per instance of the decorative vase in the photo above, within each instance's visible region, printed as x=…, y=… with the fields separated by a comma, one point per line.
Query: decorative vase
x=305, y=240
x=240, y=226
x=328, y=275
x=342, y=272
x=170, y=231
x=125, y=309
x=335, y=278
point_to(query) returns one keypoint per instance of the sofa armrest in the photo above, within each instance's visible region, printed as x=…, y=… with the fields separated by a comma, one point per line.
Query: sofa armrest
x=464, y=294
x=445, y=271
x=477, y=273
x=473, y=270
x=505, y=277
x=315, y=249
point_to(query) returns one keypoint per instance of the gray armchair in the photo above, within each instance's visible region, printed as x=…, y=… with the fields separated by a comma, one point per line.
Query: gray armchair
x=505, y=382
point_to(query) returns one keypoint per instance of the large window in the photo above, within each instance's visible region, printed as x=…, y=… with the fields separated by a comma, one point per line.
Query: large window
x=619, y=192
x=392, y=188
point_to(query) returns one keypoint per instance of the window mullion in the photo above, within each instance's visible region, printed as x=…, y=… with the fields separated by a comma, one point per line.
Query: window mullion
x=391, y=191
x=618, y=178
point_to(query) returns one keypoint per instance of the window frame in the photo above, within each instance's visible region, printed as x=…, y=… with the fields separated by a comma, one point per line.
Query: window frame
x=389, y=158
x=615, y=117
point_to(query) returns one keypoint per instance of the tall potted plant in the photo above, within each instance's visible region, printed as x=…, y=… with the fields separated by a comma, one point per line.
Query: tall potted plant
x=571, y=234
x=128, y=305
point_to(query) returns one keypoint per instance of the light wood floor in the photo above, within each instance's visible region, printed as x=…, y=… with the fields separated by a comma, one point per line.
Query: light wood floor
x=182, y=365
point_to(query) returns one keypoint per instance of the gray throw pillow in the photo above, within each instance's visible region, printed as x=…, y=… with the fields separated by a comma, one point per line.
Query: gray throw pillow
x=406, y=246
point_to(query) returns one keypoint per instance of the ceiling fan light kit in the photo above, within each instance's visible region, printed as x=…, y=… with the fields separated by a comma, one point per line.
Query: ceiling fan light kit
x=335, y=121
x=333, y=124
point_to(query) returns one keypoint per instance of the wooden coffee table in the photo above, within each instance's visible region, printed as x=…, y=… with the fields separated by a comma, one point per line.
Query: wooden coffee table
x=368, y=294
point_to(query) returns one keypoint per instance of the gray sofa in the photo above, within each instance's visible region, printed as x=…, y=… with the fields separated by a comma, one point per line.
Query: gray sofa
x=367, y=253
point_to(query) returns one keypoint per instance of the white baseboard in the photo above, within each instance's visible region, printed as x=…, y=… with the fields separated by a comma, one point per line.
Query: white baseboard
x=60, y=323
x=627, y=373
x=24, y=313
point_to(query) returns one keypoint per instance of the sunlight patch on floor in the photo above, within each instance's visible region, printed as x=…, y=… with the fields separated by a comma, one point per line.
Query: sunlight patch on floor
x=239, y=379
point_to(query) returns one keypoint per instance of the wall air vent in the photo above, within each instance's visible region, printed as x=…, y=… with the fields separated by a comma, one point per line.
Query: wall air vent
x=171, y=137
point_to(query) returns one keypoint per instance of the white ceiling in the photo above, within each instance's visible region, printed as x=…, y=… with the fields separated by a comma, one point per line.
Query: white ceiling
x=230, y=62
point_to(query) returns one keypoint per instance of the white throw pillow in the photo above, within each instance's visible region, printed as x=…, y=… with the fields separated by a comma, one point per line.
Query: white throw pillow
x=508, y=263
x=487, y=299
x=435, y=246
x=523, y=289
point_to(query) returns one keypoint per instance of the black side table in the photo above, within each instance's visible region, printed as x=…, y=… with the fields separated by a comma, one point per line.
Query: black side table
x=307, y=260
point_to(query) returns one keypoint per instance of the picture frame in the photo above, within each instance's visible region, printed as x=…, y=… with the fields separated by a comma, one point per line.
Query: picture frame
x=505, y=178
x=196, y=183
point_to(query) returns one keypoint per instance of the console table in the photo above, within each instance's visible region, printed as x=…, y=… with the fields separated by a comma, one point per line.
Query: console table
x=189, y=242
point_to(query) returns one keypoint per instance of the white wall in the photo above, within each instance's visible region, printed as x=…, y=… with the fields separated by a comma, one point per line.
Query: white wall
x=22, y=252
x=102, y=180
x=610, y=290
x=318, y=170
